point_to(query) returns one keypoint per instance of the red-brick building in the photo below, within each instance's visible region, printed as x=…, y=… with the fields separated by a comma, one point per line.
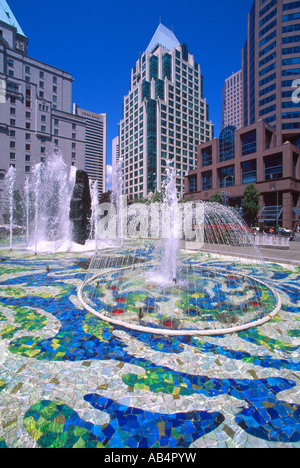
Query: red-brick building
x=238, y=157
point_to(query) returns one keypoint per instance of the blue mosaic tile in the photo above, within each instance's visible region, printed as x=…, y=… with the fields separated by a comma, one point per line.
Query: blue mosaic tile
x=252, y=367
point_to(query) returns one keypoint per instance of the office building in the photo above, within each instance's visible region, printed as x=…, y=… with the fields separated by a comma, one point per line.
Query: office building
x=95, y=145
x=265, y=150
x=232, y=101
x=250, y=155
x=36, y=112
x=271, y=64
x=115, y=158
x=165, y=115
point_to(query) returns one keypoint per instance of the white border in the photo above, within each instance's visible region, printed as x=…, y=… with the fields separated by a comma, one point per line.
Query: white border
x=182, y=332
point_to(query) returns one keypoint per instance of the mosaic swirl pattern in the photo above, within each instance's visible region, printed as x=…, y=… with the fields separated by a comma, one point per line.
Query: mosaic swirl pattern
x=68, y=379
x=205, y=300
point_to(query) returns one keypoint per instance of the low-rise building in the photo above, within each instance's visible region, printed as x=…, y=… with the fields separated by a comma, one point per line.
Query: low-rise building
x=250, y=155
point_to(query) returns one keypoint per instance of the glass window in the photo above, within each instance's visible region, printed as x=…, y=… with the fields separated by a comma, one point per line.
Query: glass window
x=160, y=89
x=153, y=67
x=249, y=172
x=146, y=90
x=273, y=167
x=167, y=66
x=207, y=180
x=290, y=39
x=248, y=141
x=206, y=156
x=226, y=144
x=185, y=52
x=13, y=87
x=226, y=176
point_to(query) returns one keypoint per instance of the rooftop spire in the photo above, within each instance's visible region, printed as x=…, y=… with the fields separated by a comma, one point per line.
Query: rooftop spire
x=163, y=37
x=7, y=17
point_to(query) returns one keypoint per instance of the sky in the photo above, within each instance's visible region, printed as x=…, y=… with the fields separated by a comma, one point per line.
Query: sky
x=99, y=42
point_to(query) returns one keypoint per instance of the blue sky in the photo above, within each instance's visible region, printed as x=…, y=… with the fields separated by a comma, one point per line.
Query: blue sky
x=98, y=42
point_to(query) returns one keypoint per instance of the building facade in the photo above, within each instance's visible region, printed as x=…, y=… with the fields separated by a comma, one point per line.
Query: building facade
x=165, y=115
x=265, y=151
x=250, y=155
x=115, y=158
x=95, y=145
x=271, y=66
x=232, y=101
x=36, y=110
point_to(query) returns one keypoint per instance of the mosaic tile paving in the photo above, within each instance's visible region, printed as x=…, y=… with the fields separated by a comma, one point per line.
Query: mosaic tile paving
x=68, y=379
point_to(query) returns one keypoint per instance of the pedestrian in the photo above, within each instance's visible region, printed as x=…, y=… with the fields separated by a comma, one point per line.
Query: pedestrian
x=272, y=233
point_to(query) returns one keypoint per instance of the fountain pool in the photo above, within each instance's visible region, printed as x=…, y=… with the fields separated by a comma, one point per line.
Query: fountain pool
x=70, y=378
x=127, y=290
x=151, y=286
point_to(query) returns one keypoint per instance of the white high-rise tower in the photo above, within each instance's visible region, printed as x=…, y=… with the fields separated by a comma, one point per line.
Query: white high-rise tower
x=165, y=116
x=232, y=101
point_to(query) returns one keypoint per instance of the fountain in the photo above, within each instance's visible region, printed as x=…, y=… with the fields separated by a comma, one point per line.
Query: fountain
x=95, y=206
x=147, y=282
x=51, y=186
x=152, y=285
x=172, y=242
x=60, y=207
x=27, y=206
x=10, y=180
x=116, y=198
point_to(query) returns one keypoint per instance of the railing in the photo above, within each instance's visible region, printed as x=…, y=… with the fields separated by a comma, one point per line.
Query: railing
x=270, y=240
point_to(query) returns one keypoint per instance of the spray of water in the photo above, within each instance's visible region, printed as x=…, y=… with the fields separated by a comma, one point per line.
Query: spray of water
x=116, y=198
x=10, y=180
x=52, y=184
x=95, y=205
x=171, y=245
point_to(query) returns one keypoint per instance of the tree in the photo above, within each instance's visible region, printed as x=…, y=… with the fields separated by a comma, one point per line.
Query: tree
x=216, y=198
x=250, y=203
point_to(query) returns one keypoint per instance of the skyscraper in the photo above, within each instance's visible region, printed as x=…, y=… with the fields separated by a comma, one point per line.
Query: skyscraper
x=36, y=111
x=115, y=157
x=266, y=150
x=232, y=101
x=165, y=115
x=95, y=145
x=271, y=64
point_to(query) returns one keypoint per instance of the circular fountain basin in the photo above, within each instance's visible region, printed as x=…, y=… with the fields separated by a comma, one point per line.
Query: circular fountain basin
x=203, y=300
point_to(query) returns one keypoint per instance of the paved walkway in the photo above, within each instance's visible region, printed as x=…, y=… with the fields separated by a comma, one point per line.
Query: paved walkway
x=288, y=256
x=269, y=254
x=68, y=379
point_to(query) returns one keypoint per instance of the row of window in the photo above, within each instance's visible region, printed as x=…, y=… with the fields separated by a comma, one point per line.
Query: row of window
x=285, y=62
x=11, y=63
x=286, y=29
x=131, y=135
x=227, y=146
x=273, y=170
x=285, y=7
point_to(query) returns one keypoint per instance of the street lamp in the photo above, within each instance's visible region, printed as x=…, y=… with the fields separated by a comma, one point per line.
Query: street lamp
x=225, y=184
x=273, y=188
